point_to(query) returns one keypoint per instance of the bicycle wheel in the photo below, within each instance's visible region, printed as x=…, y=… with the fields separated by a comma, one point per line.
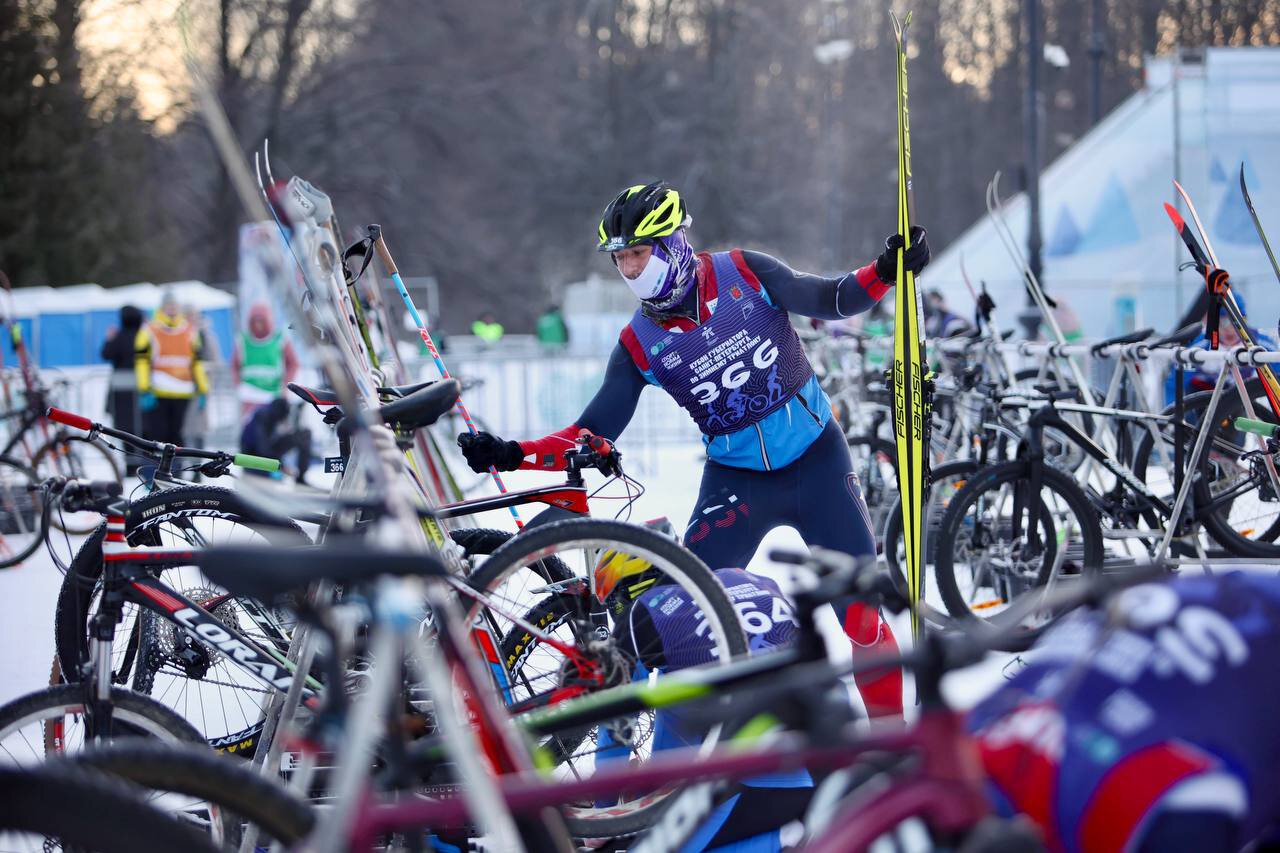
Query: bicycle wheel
x=23, y=519
x=535, y=674
x=154, y=655
x=80, y=459
x=998, y=541
x=1232, y=494
x=206, y=789
x=63, y=807
x=483, y=541
x=52, y=722
x=1235, y=497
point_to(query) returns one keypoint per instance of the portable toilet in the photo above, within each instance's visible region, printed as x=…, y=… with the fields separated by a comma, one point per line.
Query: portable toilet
x=25, y=306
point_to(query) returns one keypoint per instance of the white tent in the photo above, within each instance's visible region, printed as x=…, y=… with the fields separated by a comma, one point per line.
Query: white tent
x=1109, y=247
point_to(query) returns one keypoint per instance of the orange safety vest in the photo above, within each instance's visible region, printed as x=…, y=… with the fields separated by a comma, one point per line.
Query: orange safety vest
x=171, y=357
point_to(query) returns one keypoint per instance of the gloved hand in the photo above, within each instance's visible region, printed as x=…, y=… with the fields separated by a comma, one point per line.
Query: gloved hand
x=202, y=401
x=146, y=401
x=915, y=259
x=484, y=450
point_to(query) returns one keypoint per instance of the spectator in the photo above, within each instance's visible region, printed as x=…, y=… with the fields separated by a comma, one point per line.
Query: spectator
x=117, y=349
x=195, y=425
x=168, y=359
x=264, y=362
x=487, y=328
x=1202, y=377
x=552, y=331
x=939, y=320
x=271, y=432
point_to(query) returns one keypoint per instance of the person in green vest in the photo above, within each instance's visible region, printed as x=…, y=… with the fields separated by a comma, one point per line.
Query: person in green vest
x=551, y=329
x=487, y=328
x=265, y=361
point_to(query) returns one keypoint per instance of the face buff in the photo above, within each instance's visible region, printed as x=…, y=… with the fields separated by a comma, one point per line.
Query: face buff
x=653, y=278
x=665, y=278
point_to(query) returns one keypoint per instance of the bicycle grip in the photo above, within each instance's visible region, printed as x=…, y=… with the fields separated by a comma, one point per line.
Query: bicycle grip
x=69, y=418
x=257, y=463
x=1259, y=427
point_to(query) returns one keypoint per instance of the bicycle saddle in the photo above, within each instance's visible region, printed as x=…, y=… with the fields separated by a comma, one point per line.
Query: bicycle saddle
x=1182, y=337
x=315, y=396
x=269, y=573
x=325, y=397
x=1131, y=338
x=417, y=405
x=423, y=407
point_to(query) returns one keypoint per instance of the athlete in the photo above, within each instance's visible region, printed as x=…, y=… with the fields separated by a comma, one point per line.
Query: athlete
x=713, y=331
x=1149, y=729
x=662, y=632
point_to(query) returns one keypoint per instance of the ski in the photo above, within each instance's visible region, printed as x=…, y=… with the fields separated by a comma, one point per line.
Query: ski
x=1219, y=285
x=1257, y=224
x=910, y=410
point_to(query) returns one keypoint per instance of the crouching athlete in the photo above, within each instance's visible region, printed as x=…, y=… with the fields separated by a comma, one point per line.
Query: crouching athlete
x=1147, y=727
x=713, y=331
x=660, y=628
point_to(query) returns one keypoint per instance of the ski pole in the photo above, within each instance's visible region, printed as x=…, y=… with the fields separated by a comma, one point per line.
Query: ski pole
x=375, y=234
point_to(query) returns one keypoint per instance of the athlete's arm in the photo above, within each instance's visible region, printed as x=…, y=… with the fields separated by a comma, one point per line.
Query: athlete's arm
x=608, y=414
x=815, y=295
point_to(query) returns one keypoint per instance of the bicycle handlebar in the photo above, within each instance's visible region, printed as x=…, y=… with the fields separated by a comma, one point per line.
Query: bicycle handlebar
x=1261, y=428
x=156, y=448
x=257, y=463
x=69, y=419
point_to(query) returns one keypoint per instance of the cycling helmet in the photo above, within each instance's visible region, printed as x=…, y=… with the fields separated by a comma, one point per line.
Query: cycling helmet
x=620, y=572
x=653, y=214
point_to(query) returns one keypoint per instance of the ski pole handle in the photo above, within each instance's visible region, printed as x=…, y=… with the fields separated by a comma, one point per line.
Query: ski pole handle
x=1261, y=428
x=257, y=463
x=60, y=416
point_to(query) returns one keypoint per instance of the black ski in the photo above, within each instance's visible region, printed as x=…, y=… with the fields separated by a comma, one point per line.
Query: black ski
x=1257, y=224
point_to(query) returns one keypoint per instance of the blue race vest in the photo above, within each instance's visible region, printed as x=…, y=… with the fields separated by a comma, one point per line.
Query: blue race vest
x=742, y=364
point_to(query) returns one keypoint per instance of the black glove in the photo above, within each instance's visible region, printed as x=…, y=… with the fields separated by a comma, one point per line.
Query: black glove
x=915, y=259
x=485, y=450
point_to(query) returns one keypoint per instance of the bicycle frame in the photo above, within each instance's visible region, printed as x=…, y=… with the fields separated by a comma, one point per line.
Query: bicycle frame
x=945, y=788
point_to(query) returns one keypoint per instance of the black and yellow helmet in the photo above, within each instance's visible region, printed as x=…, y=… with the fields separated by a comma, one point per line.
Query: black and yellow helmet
x=641, y=214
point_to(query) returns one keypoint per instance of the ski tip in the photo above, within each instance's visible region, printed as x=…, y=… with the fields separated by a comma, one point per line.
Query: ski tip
x=1178, y=221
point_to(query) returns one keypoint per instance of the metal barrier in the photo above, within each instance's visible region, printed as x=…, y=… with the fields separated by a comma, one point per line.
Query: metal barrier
x=530, y=395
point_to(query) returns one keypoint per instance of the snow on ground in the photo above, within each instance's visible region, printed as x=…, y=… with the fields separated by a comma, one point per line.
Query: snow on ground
x=670, y=474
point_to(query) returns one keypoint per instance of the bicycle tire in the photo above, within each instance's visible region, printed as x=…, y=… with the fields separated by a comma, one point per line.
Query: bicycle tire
x=22, y=510
x=698, y=582
x=1234, y=534
x=76, y=468
x=90, y=811
x=995, y=477
x=144, y=521
x=203, y=773
x=135, y=712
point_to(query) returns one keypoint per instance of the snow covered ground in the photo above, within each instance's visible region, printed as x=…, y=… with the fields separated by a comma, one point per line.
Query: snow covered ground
x=670, y=474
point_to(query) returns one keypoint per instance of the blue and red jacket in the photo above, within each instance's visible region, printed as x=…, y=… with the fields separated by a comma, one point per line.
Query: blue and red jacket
x=759, y=425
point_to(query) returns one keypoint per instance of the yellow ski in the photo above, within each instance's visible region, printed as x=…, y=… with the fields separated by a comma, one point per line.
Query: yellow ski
x=910, y=409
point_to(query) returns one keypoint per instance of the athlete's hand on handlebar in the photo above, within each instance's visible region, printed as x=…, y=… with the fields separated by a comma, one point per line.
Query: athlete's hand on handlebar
x=610, y=458
x=484, y=450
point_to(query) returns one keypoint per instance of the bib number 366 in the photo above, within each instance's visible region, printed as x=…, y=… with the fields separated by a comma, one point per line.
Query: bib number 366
x=736, y=374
